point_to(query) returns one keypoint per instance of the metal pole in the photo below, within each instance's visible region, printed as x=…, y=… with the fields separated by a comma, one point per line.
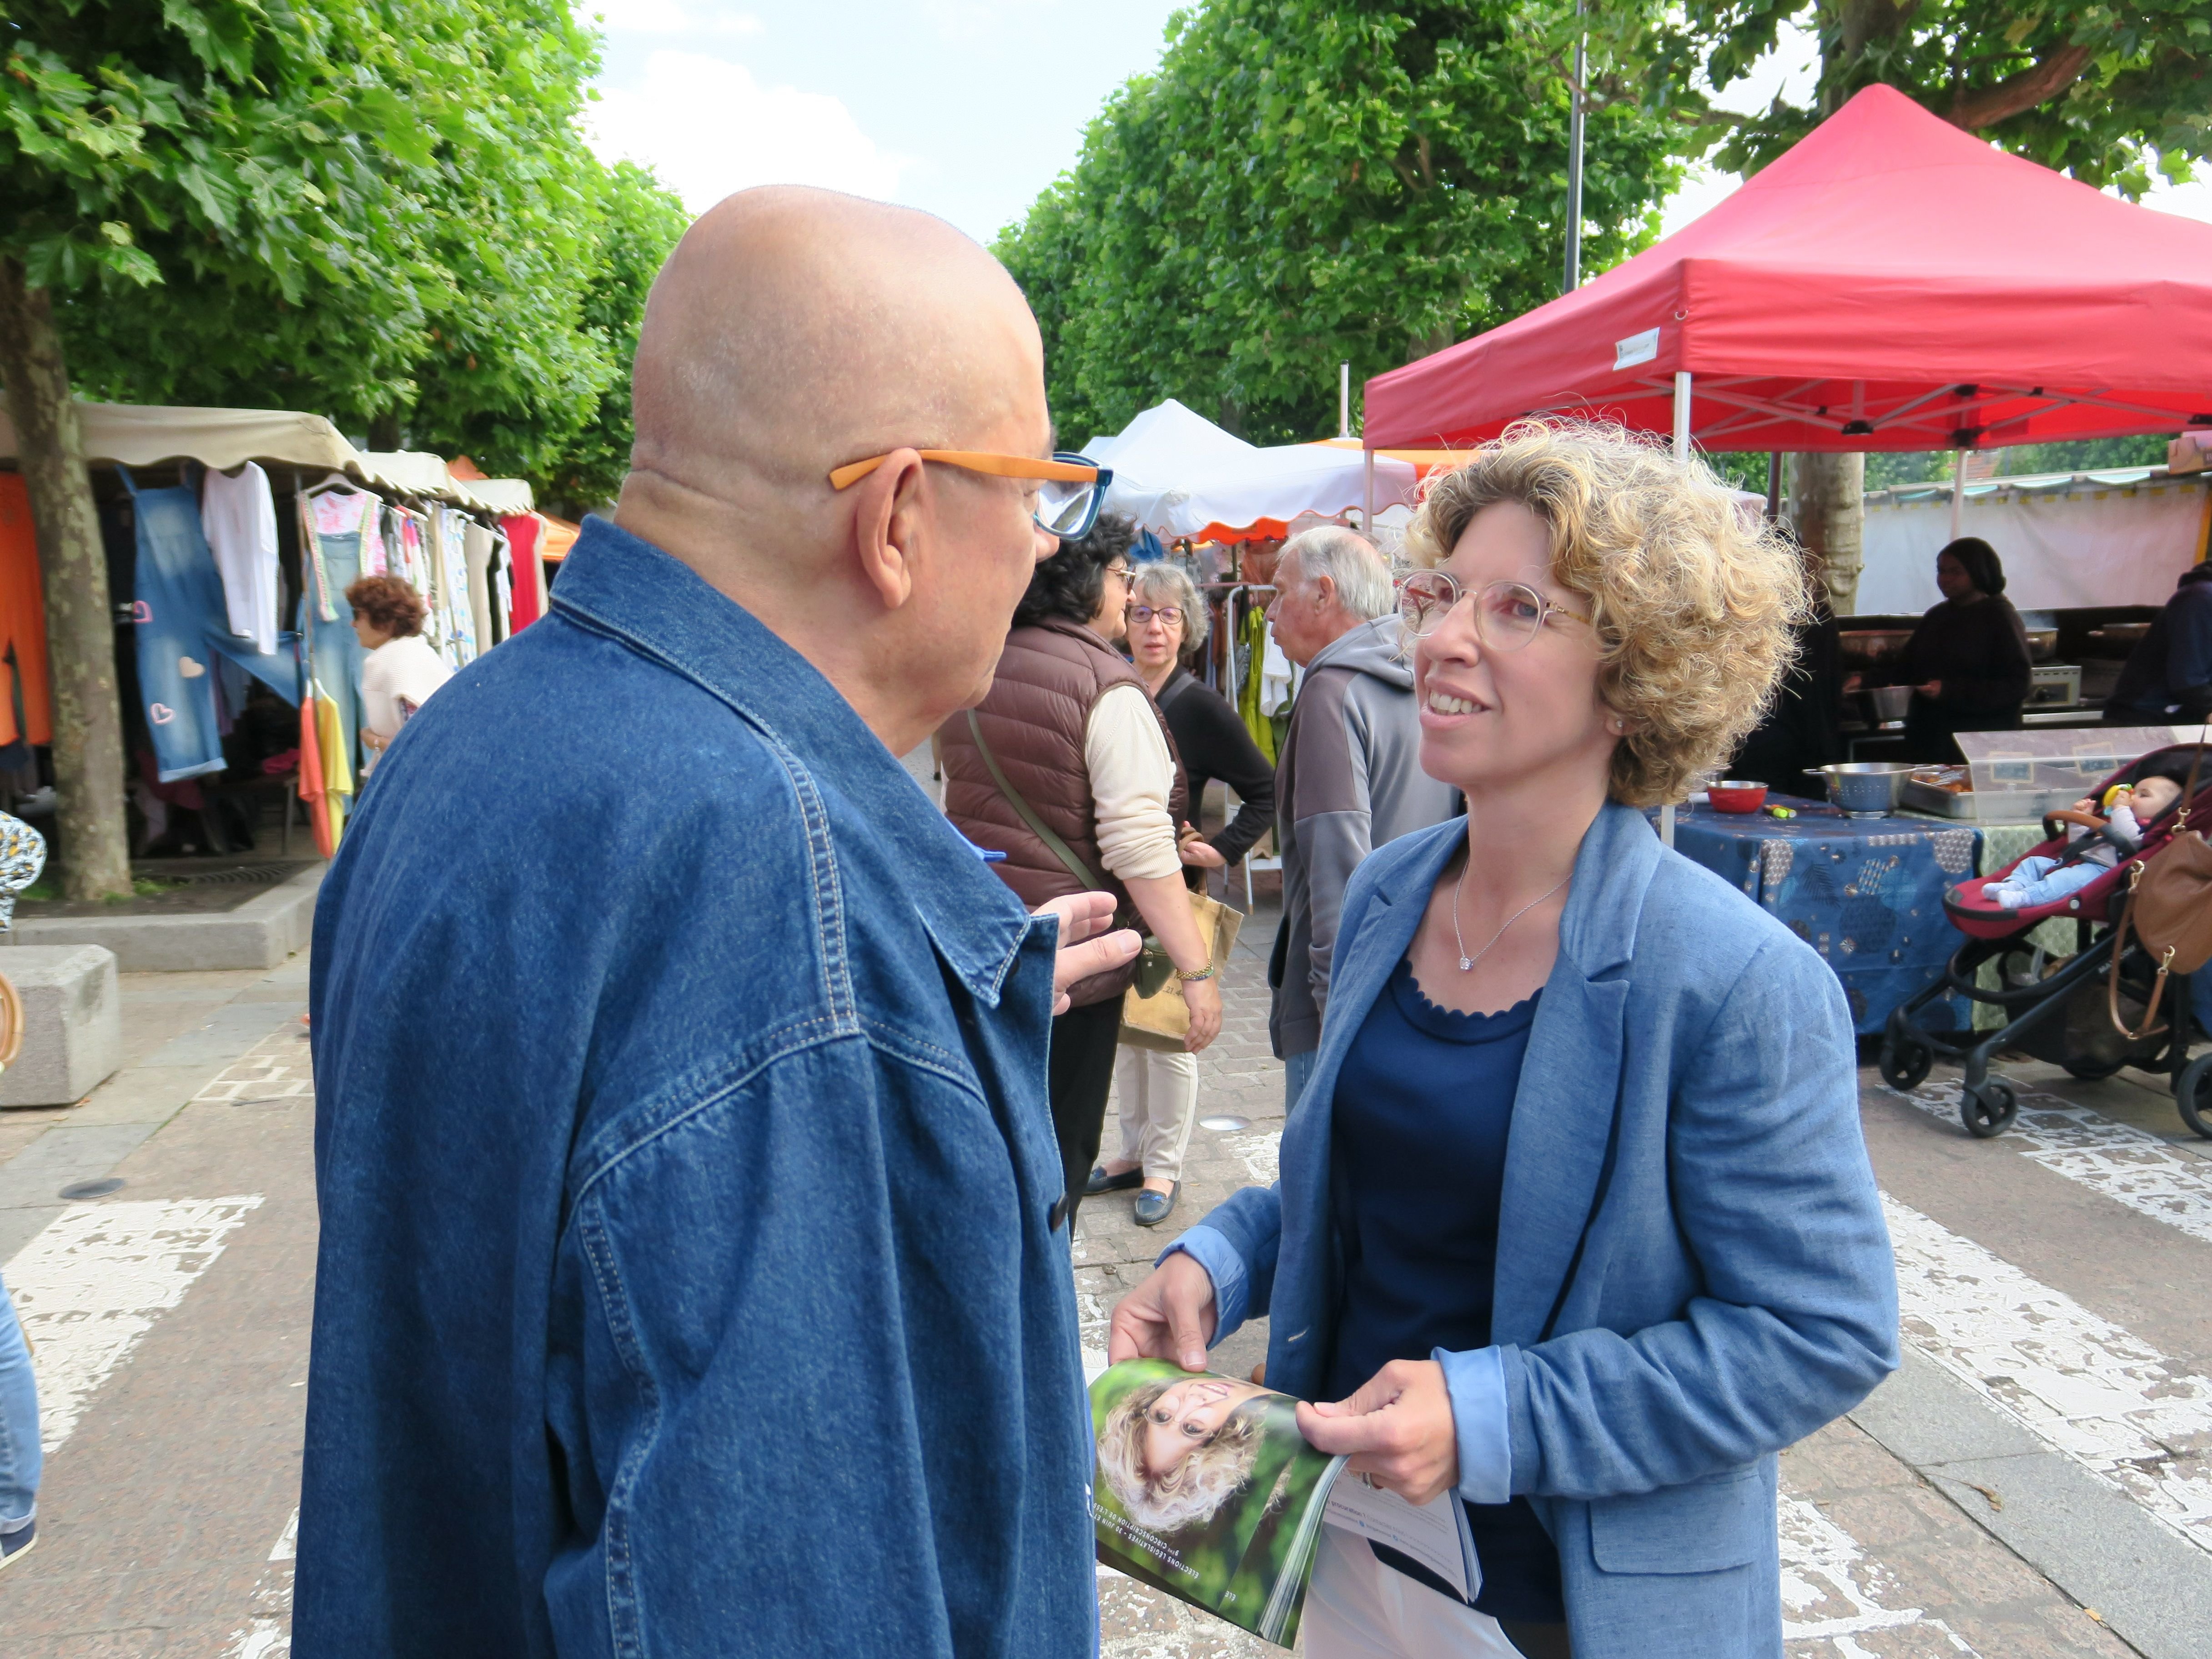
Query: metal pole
x=1774, y=486
x=1682, y=453
x=1574, y=164
x=1958, y=494
x=1367, y=500
x=1344, y=400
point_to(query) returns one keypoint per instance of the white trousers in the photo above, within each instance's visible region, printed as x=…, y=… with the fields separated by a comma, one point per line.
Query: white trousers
x=1158, y=1095
x=1358, y=1609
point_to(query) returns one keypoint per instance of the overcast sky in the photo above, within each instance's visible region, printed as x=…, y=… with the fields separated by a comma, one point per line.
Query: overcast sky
x=968, y=108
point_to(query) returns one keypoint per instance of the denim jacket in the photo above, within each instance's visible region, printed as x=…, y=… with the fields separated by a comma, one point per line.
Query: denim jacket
x=687, y=1281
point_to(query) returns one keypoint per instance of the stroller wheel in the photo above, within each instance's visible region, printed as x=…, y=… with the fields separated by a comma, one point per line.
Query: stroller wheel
x=1905, y=1062
x=1990, y=1109
x=2192, y=1092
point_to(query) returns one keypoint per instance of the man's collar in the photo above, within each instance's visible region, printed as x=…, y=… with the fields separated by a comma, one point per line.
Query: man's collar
x=618, y=584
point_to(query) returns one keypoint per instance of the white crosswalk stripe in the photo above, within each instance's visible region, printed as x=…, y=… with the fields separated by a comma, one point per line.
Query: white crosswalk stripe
x=2092, y=1390
x=2125, y=1163
x=90, y=1286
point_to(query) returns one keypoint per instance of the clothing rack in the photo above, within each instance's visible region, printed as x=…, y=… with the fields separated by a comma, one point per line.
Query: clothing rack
x=1230, y=604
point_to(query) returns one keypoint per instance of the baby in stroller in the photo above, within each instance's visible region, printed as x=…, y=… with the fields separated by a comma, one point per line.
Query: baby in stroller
x=2041, y=879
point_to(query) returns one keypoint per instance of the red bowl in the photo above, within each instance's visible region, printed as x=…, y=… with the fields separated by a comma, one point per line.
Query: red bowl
x=1734, y=796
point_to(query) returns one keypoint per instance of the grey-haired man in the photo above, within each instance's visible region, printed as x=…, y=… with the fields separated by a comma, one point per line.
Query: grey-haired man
x=1349, y=776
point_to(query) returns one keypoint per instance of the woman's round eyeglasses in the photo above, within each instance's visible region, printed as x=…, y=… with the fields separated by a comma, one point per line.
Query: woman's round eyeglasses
x=1171, y=615
x=1507, y=614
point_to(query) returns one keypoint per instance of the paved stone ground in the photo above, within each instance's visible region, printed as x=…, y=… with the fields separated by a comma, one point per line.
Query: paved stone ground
x=2037, y=1482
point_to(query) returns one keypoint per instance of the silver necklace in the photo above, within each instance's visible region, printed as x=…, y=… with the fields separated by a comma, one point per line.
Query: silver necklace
x=1465, y=962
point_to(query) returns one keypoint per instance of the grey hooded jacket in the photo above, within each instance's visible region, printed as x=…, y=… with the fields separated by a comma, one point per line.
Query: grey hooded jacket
x=1349, y=781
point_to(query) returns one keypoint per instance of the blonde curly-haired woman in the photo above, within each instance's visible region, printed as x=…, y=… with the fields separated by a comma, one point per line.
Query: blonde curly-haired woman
x=1575, y=1222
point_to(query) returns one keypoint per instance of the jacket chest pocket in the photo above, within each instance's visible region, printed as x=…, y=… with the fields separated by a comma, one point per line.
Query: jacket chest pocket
x=1707, y=1526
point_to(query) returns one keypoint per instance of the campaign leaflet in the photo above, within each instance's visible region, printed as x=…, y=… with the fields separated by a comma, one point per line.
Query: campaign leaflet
x=1205, y=1488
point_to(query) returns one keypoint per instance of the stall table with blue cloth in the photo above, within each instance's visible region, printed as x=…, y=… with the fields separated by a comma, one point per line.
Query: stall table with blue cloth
x=1866, y=893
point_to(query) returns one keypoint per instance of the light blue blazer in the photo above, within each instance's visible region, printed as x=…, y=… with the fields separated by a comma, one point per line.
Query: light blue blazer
x=1693, y=1267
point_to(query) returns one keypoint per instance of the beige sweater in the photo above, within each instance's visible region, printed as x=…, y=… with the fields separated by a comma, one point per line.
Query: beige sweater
x=1132, y=776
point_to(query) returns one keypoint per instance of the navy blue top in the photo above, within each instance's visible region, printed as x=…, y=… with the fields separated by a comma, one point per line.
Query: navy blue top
x=1423, y=1104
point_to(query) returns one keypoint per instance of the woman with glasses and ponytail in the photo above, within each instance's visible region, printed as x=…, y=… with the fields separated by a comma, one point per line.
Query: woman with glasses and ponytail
x=1575, y=1226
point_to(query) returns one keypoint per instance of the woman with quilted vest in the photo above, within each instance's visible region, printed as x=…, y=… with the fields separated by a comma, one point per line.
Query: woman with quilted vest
x=1067, y=769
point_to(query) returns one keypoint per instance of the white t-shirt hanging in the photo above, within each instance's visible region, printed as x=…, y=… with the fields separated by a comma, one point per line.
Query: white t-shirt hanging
x=240, y=517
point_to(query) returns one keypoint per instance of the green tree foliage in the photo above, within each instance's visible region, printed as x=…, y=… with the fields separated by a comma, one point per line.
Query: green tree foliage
x=636, y=223
x=379, y=210
x=2108, y=90
x=1309, y=181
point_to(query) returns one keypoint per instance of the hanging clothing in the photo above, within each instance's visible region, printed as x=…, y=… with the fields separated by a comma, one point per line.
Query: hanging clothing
x=334, y=652
x=27, y=710
x=239, y=515
x=1255, y=639
x=312, y=790
x=476, y=543
x=180, y=602
x=525, y=536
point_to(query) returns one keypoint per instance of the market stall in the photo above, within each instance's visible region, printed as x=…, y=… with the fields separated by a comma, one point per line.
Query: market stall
x=231, y=536
x=1889, y=283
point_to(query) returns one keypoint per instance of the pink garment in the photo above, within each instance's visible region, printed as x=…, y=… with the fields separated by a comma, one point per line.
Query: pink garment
x=339, y=512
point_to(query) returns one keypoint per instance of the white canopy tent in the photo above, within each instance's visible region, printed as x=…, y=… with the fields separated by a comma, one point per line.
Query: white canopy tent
x=139, y=435
x=1176, y=474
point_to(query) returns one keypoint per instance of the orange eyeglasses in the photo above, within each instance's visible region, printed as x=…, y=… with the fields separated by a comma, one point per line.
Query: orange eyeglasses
x=1067, y=505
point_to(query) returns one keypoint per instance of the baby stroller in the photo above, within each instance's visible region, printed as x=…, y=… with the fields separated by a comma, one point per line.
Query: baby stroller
x=2060, y=1009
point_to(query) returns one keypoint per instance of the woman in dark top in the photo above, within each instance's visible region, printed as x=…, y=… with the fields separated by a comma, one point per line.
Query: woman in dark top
x=1575, y=1221
x=1158, y=1092
x=1967, y=662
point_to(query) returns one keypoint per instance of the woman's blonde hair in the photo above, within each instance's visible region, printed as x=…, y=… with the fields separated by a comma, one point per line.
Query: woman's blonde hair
x=1209, y=1475
x=1693, y=595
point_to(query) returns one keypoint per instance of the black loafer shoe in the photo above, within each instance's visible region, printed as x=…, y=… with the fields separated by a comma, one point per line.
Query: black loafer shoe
x=1100, y=1182
x=17, y=1543
x=1153, y=1208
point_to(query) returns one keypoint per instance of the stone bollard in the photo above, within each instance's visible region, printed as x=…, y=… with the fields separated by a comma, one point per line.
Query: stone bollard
x=72, y=1024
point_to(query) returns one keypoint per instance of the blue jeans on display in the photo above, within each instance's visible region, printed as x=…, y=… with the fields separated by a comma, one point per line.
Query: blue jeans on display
x=334, y=652
x=19, y=1457
x=1297, y=1069
x=181, y=622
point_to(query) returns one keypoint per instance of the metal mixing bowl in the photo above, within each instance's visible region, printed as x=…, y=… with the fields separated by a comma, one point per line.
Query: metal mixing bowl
x=1865, y=789
x=1891, y=702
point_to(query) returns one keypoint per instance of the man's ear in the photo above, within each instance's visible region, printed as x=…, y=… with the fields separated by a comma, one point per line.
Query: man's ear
x=887, y=518
x=1324, y=592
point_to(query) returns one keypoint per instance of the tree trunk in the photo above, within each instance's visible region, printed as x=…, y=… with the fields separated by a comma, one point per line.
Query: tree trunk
x=94, y=851
x=1828, y=501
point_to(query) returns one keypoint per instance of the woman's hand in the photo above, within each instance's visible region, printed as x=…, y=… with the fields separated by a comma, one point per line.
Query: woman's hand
x=1202, y=996
x=1085, y=948
x=1932, y=690
x=1398, y=1429
x=1199, y=852
x=1170, y=1316
x=372, y=741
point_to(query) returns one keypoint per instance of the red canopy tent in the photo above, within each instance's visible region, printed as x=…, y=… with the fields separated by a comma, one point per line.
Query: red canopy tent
x=1891, y=283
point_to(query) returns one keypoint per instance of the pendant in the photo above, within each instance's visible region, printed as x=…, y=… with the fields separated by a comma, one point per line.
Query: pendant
x=1466, y=965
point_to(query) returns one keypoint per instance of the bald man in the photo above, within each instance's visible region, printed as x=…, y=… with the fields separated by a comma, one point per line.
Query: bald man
x=693, y=1273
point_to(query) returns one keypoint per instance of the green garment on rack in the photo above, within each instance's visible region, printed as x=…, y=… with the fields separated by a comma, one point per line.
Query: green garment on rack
x=1248, y=690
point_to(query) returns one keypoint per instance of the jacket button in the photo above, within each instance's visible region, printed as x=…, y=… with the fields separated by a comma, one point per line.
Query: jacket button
x=1057, y=1214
